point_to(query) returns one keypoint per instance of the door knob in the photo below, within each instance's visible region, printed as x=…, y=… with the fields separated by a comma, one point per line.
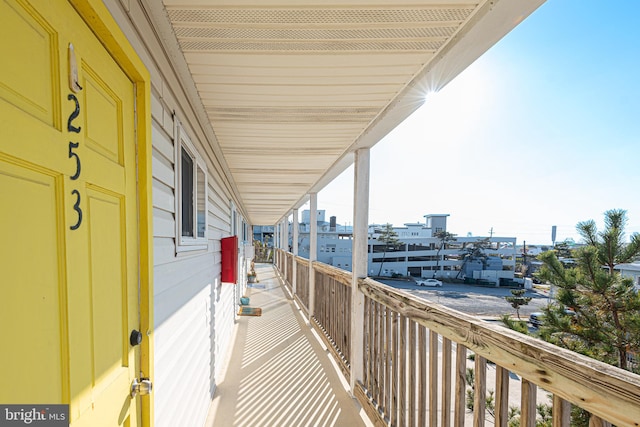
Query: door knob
x=142, y=386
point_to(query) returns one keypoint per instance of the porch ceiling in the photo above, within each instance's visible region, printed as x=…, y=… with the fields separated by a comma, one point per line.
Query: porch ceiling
x=292, y=88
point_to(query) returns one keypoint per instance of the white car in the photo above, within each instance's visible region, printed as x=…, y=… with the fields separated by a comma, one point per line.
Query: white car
x=428, y=282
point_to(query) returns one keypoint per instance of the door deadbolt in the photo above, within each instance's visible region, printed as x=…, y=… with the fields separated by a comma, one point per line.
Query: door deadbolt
x=135, y=338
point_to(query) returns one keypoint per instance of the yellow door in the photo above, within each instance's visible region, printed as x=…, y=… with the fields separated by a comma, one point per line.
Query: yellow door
x=69, y=254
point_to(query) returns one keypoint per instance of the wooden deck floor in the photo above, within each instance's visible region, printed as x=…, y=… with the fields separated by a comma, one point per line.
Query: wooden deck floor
x=279, y=374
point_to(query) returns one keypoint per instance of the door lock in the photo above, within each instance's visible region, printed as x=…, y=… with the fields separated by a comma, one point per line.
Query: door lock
x=135, y=338
x=142, y=386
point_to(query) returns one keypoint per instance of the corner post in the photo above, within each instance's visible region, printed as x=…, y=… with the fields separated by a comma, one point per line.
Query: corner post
x=359, y=262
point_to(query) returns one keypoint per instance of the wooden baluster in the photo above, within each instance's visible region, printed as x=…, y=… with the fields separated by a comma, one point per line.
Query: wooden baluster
x=422, y=358
x=446, y=383
x=461, y=386
x=480, y=391
x=388, y=351
x=433, y=379
x=402, y=373
x=502, y=397
x=598, y=422
x=394, y=370
x=412, y=373
x=561, y=412
x=528, y=404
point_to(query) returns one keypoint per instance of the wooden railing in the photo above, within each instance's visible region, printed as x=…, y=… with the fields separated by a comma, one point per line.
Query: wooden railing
x=263, y=254
x=416, y=362
x=302, y=282
x=289, y=263
x=332, y=311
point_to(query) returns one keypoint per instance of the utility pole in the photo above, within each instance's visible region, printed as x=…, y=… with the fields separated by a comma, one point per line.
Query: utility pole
x=524, y=258
x=491, y=232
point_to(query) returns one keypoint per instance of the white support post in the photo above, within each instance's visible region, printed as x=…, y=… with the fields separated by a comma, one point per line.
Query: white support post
x=313, y=250
x=285, y=241
x=276, y=243
x=276, y=228
x=282, y=247
x=285, y=233
x=359, y=263
x=294, y=272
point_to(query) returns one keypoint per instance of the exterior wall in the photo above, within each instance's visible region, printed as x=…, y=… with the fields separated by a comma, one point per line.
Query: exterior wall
x=631, y=271
x=194, y=313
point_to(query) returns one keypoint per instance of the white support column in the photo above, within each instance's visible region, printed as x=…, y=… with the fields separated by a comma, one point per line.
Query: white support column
x=285, y=241
x=294, y=247
x=313, y=249
x=281, y=245
x=359, y=263
x=276, y=228
x=276, y=243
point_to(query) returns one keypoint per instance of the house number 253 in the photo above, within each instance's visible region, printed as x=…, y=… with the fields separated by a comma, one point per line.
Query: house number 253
x=75, y=157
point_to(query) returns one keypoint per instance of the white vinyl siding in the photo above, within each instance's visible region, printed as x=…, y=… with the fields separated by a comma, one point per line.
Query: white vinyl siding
x=193, y=311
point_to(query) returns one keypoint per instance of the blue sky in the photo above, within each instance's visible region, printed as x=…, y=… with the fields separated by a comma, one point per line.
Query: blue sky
x=542, y=130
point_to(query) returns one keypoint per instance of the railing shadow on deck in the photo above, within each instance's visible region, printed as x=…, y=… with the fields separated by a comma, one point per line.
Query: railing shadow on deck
x=277, y=374
x=416, y=360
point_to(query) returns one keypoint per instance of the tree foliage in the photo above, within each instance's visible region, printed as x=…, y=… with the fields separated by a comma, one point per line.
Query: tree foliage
x=610, y=246
x=475, y=251
x=517, y=300
x=389, y=237
x=563, y=250
x=606, y=325
x=444, y=237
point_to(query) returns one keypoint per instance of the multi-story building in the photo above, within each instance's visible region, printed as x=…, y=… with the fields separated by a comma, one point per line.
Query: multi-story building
x=420, y=254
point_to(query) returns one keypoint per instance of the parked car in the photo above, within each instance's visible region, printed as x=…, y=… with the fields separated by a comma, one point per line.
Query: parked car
x=428, y=282
x=537, y=318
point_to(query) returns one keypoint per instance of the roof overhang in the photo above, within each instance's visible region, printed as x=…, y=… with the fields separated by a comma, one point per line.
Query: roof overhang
x=292, y=89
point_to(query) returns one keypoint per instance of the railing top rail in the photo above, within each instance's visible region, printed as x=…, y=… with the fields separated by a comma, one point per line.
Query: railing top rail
x=338, y=274
x=301, y=260
x=604, y=390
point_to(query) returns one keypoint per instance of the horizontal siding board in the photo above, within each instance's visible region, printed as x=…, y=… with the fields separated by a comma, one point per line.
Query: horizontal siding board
x=164, y=251
x=157, y=109
x=219, y=226
x=162, y=169
x=183, y=349
x=169, y=99
x=215, y=207
x=217, y=188
x=163, y=223
x=139, y=17
x=224, y=321
x=215, y=234
x=163, y=197
x=162, y=142
x=180, y=272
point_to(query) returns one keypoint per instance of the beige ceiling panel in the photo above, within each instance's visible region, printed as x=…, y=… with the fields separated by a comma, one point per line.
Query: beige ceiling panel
x=291, y=88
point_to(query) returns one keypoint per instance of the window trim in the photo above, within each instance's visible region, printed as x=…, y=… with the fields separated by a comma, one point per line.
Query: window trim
x=188, y=243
